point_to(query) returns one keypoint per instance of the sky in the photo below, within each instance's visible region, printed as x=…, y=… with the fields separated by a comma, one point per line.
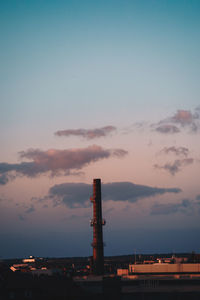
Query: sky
x=99, y=89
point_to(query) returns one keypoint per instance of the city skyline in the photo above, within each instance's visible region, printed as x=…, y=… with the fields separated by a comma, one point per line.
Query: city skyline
x=104, y=90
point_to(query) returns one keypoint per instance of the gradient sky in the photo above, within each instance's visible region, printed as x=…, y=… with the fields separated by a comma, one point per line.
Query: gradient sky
x=99, y=89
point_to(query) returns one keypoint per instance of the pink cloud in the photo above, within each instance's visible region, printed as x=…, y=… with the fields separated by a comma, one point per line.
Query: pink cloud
x=57, y=161
x=183, y=117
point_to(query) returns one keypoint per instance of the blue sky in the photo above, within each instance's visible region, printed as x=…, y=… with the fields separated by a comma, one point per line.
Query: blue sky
x=99, y=54
x=90, y=64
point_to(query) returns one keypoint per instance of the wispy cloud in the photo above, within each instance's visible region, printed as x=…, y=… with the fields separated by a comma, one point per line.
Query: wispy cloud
x=137, y=126
x=26, y=210
x=21, y=217
x=170, y=208
x=57, y=161
x=88, y=134
x=4, y=179
x=179, y=151
x=30, y=209
x=166, y=128
x=175, y=166
x=186, y=206
x=78, y=194
x=198, y=197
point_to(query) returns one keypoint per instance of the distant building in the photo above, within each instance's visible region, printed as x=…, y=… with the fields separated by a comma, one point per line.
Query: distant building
x=122, y=272
x=164, y=268
x=31, y=259
x=45, y=271
x=160, y=270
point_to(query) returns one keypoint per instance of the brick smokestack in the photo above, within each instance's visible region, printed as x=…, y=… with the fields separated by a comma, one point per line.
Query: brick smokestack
x=97, y=222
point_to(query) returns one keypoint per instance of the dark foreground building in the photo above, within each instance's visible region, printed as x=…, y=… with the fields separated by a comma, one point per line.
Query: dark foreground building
x=142, y=289
x=23, y=286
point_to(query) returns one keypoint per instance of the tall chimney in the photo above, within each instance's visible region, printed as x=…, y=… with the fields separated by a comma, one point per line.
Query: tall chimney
x=97, y=222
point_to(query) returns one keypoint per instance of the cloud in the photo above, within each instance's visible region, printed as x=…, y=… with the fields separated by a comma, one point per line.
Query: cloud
x=198, y=197
x=57, y=161
x=181, y=119
x=185, y=206
x=137, y=126
x=71, y=194
x=21, y=217
x=122, y=191
x=77, y=194
x=4, y=179
x=167, y=129
x=171, y=208
x=30, y=209
x=175, y=150
x=88, y=134
x=176, y=166
x=185, y=118
x=119, y=152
